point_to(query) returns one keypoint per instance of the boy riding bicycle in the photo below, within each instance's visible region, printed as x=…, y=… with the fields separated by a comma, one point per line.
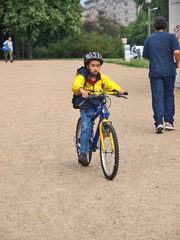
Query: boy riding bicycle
x=89, y=78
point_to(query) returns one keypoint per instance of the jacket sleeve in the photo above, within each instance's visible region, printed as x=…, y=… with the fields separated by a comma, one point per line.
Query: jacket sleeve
x=5, y=42
x=108, y=85
x=79, y=82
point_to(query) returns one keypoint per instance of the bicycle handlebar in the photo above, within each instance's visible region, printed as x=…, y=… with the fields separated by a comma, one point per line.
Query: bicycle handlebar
x=104, y=94
x=93, y=93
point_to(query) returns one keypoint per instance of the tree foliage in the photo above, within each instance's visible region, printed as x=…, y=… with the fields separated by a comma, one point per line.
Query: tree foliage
x=161, y=4
x=136, y=32
x=104, y=25
x=27, y=19
x=52, y=28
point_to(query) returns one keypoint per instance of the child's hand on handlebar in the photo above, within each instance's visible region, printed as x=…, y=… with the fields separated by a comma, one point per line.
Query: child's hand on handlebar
x=84, y=93
x=121, y=92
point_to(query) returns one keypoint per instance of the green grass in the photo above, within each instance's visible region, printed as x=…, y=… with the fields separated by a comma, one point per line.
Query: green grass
x=139, y=63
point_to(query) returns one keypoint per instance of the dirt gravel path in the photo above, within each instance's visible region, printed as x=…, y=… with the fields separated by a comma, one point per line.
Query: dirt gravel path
x=47, y=195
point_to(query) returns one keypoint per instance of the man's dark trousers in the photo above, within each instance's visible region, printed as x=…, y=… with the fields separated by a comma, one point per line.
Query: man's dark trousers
x=162, y=89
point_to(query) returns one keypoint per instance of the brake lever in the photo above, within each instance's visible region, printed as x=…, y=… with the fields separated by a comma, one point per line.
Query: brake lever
x=124, y=97
x=118, y=95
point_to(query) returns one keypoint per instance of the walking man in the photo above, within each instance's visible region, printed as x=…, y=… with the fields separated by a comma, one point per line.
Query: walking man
x=10, y=50
x=163, y=52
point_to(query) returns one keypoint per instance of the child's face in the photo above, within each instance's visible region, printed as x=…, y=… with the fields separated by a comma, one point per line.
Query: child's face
x=94, y=67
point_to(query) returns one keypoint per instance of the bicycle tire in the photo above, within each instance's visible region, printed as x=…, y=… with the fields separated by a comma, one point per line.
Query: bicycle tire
x=78, y=131
x=109, y=158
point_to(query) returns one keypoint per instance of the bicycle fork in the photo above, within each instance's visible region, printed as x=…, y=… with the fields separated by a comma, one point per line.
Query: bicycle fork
x=104, y=121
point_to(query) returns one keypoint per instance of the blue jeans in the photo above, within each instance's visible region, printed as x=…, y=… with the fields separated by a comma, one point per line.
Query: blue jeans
x=162, y=89
x=86, y=127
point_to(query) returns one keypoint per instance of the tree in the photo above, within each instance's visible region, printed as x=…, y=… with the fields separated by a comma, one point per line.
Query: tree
x=27, y=19
x=64, y=16
x=23, y=19
x=161, y=4
x=104, y=25
x=136, y=32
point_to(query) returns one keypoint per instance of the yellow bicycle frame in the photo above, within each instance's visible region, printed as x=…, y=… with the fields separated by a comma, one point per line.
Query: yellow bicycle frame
x=101, y=135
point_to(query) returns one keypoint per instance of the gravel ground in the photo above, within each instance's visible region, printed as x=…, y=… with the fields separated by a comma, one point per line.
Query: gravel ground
x=47, y=195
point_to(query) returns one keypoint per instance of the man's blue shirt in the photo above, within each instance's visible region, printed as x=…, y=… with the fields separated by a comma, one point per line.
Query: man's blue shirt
x=159, y=49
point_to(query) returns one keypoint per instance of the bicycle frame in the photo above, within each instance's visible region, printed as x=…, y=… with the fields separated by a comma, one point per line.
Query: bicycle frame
x=95, y=138
x=102, y=114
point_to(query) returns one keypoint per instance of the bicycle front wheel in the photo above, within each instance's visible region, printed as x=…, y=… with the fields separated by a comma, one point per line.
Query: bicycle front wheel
x=110, y=155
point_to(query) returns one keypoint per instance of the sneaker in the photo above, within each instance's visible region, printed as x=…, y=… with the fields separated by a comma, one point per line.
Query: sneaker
x=169, y=126
x=159, y=128
x=82, y=158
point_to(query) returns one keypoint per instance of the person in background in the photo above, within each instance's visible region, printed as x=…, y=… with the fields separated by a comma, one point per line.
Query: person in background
x=162, y=50
x=10, y=50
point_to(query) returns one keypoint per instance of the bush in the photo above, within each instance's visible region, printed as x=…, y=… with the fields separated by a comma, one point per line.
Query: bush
x=79, y=45
x=42, y=52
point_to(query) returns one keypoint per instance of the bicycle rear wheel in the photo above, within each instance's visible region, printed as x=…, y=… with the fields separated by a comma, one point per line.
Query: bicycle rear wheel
x=78, y=132
x=109, y=157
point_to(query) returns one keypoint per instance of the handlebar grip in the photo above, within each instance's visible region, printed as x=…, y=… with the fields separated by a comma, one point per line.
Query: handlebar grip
x=125, y=93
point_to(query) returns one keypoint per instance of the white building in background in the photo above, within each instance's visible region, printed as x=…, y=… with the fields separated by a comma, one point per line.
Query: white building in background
x=121, y=11
x=174, y=26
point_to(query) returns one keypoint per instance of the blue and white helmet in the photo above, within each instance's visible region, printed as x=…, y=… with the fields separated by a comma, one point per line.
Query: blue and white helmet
x=93, y=56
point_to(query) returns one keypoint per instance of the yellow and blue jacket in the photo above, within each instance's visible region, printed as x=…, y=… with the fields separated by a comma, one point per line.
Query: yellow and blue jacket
x=82, y=81
x=102, y=83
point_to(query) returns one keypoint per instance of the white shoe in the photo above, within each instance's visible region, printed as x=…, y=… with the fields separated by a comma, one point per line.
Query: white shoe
x=169, y=126
x=159, y=128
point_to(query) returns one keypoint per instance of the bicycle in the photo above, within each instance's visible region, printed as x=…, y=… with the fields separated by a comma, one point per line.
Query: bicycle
x=105, y=137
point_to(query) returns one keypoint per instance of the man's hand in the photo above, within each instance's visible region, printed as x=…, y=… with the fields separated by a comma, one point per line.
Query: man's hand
x=177, y=65
x=84, y=93
x=177, y=58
